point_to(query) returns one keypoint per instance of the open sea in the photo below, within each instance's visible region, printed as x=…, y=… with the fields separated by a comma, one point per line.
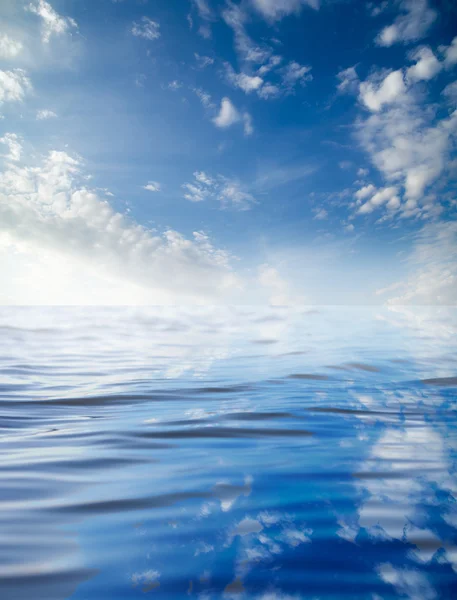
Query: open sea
x=246, y=453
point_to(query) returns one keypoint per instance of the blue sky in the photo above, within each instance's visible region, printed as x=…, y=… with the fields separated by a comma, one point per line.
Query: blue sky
x=210, y=151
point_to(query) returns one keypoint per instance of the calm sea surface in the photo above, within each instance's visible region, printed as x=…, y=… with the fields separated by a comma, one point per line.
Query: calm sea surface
x=228, y=453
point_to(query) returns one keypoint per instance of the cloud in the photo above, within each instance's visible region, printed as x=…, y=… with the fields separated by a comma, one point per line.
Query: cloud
x=247, y=83
x=228, y=114
x=204, y=98
x=294, y=74
x=45, y=114
x=432, y=266
x=450, y=92
x=203, y=9
x=375, y=93
x=203, y=61
x=52, y=22
x=152, y=186
x=9, y=48
x=321, y=214
x=14, y=85
x=274, y=10
x=348, y=81
x=250, y=52
x=248, y=126
x=408, y=147
x=426, y=67
x=67, y=244
x=228, y=192
x=386, y=196
x=11, y=140
x=450, y=54
x=411, y=25
x=146, y=28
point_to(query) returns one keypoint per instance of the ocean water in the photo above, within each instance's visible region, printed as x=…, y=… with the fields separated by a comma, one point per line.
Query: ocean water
x=228, y=453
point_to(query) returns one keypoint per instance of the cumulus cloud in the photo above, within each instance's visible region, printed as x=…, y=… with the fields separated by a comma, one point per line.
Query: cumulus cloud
x=11, y=140
x=426, y=67
x=450, y=54
x=14, y=85
x=152, y=186
x=408, y=147
x=54, y=230
x=146, y=28
x=228, y=192
x=247, y=83
x=45, y=114
x=375, y=93
x=273, y=10
x=450, y=92
x=9, y=48
x=228, y=114
x=51, y=22
x=386, y=196
x=412, y=24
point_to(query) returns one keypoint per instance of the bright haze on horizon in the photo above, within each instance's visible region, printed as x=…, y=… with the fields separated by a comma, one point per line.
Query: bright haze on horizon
x=281, y=152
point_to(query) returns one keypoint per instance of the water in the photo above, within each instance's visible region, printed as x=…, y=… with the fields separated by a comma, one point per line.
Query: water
x=228, y=453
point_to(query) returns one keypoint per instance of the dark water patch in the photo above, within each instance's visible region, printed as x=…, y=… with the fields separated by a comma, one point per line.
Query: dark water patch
x=225, y=433
x=441, y=381
x=257, y=416
x=355, y=366
x=117, y=505
x=308, y=376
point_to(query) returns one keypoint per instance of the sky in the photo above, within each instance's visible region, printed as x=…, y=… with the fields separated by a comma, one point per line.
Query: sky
x=283, y=152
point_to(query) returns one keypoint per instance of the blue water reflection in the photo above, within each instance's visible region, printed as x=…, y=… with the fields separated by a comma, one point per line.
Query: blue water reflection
x=228, y=453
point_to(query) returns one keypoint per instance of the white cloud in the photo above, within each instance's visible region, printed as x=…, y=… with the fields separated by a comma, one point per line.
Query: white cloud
x=248, y=126
x=433, y=267
x=9, y=48
x=365, y=192
x=273, y=10
x=203, y=61
x=375, y=94
x=247, y=49
x=14, y=85
x=146, y=28
x=426, y=67
x=228, y=114
x=62, y=239
x=411, y=25
x=174, y=85
x=11, y=140
x=294, y=74
x=204, y=98
x=450, y=54
x=269, y=91
x=52, y=22
x=203, y=9
x=348, y=80
x=386, y=196
x=229, y=192
x=408, y=148
x=450, y=92
x=321, y=214
x=45, y=114
x=152, y=186
x=247, y=83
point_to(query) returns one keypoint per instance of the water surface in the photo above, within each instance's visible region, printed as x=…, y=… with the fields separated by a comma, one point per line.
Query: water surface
x=228, y=453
